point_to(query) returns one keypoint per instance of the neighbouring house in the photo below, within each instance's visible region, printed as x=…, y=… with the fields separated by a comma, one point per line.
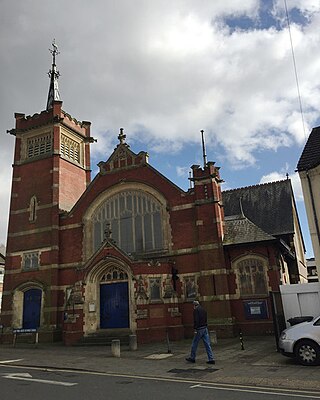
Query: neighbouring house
x=309, y=172
x=312, y=270
x=129, y=251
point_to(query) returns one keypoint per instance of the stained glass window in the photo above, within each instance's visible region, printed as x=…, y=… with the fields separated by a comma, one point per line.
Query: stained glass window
x=135, y=220
x=252, y=277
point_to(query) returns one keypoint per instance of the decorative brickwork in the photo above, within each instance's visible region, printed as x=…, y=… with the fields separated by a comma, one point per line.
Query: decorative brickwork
x=128, y=250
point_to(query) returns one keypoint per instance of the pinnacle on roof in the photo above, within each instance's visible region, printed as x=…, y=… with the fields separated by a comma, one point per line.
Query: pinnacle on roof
x=54, y=93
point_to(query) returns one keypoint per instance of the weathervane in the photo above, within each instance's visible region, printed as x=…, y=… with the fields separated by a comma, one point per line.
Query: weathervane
x=53, y=74
x=54, y=51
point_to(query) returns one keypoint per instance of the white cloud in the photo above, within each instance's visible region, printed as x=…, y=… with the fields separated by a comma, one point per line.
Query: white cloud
x=163, y=70
x=278, y=176
x=183, y=171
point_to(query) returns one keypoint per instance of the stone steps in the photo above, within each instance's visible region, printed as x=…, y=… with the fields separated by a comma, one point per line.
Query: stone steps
x=104, y=338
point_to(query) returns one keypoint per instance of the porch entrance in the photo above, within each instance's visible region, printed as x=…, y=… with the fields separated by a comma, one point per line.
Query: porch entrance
x=114, y=305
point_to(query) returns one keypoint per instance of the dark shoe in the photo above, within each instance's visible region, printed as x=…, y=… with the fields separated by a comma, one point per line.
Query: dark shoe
x=189, y=359
x=211, y=362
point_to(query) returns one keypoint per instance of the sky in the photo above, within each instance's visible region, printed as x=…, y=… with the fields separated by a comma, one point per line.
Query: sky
x=164, y=70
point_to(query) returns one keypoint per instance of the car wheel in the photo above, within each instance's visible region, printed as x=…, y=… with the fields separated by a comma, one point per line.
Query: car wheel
x=307, y=352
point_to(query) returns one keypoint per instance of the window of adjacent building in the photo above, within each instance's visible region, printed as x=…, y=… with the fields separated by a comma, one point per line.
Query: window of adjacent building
x=252, y=277
x=155, y=289
x=134, y=218
x=39, y=145
x=70, y=149
x=30, y=261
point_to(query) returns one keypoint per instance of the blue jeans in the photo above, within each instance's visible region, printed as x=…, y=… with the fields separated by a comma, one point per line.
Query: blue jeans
x=202, y=334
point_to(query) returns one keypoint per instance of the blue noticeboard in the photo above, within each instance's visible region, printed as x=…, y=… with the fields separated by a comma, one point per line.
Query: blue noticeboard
x=256, y=309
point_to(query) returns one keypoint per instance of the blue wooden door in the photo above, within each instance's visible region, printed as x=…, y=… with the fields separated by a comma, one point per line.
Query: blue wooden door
x=114, y=305
x=31, y=309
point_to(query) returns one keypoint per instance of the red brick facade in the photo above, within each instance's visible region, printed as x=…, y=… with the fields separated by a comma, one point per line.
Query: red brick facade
x=51, y=246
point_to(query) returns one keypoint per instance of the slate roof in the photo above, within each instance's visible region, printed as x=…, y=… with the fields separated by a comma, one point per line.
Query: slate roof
x=240, y=230
x=310, y=157
x=269, y=206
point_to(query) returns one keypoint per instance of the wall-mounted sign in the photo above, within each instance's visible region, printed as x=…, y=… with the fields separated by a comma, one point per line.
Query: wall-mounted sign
x=256, y=309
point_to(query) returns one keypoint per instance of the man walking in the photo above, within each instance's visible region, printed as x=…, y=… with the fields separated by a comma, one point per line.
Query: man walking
x=200, y=326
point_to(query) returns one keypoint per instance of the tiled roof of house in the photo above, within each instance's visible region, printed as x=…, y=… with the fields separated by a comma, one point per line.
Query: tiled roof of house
x=240, y=230
x=269, y=206
x=310, y=156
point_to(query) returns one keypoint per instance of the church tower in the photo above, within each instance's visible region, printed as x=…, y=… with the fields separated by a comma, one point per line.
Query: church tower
x=51, y=170
x=209, y=220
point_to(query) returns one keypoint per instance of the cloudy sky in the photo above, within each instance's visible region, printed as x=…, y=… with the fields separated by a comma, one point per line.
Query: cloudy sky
x=165, y=69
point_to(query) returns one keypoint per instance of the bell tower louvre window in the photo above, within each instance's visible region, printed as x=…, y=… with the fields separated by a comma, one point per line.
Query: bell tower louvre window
x=70, y=149
x=135, y=219
x=39, y=145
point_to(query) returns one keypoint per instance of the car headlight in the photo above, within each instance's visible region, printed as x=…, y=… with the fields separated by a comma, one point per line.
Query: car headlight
x=283, y=336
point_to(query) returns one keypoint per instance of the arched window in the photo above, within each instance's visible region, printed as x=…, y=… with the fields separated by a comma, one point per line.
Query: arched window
x=135, y=219
x=252, y=277
x=33, y=209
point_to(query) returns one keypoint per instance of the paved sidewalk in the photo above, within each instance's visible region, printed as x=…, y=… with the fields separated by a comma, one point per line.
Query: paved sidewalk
x=258, y=364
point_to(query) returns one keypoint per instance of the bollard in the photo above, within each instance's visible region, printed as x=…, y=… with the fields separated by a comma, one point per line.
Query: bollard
x=115, y=348
x=241, y=340
x=168, y=343
x=213, y=337
x=133, y=342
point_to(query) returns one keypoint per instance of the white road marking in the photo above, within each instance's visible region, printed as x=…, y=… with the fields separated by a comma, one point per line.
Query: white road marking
x=306, y=393
x=254, y=391
x=158, y=356
x=27, y=377
x=10, y=361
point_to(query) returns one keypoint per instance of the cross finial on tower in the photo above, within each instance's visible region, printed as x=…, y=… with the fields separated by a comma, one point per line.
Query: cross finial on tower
x=54, y=93
x=54, y=51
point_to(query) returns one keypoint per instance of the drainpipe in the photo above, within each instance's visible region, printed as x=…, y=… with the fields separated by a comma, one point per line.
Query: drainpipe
x=313, y=206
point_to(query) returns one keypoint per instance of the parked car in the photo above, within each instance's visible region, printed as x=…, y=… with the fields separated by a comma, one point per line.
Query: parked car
x=302, y=341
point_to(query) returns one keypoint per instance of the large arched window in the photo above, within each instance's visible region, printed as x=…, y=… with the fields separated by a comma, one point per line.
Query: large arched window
x=135, y=220
x=251, y=274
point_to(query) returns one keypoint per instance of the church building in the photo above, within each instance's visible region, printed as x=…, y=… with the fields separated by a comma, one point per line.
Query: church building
x=128, y=251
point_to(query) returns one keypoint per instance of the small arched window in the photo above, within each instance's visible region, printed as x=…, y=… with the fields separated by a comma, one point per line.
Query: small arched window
x=135, y=220
x=252, y=277
x=33, y=209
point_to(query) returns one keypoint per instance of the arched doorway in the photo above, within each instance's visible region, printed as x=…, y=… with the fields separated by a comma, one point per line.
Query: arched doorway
x=114, y=299
x=31, y=308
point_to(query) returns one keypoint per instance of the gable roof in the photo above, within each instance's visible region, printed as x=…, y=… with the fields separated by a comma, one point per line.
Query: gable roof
x=310, y=157
x=269, y=206
x=240, y=230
